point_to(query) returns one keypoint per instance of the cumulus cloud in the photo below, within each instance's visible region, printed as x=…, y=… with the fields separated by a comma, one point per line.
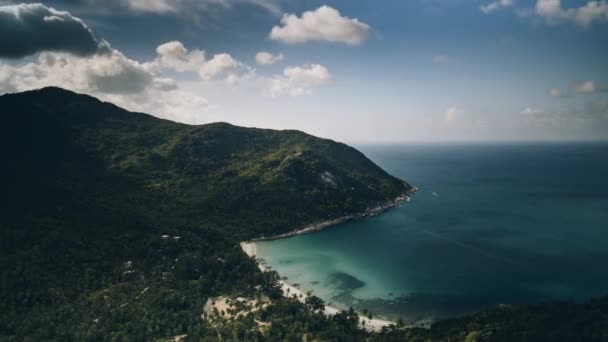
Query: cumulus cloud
x=585, y=87
x=173, y=55
x=323, y=24
x=26, y=29
x=548, y=8
x=220, y=63
x=299, y=80
x=493, y=6
x=557, y=92
x=531, y=111
x=267, y=58
x=109, y=72
x=111, y=77
x=552, y=11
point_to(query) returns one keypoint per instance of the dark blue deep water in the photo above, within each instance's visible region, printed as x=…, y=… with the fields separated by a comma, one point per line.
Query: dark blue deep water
x=493, y=224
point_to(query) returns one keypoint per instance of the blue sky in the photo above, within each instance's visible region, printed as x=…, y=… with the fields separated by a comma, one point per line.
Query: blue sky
x=417, y=70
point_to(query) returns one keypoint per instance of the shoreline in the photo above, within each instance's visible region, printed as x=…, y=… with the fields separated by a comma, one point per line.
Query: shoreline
x=314, y=227
x=249, y=247
x=290, y=291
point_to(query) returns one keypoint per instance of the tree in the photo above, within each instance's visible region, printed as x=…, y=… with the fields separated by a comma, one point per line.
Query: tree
x=315, y=303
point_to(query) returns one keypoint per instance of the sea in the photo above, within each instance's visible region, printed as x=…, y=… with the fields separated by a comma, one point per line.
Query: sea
x=494, y=224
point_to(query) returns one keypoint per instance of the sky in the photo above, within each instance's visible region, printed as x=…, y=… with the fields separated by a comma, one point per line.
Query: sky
x=353, y=71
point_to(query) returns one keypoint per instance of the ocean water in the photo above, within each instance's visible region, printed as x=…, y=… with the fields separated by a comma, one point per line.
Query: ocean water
x=493, y=224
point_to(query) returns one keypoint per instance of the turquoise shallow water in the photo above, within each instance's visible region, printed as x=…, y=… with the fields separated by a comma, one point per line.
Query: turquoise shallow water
x=493, y=224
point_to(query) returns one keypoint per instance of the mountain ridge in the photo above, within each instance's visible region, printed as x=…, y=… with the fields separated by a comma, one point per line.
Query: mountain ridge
x=161, y=150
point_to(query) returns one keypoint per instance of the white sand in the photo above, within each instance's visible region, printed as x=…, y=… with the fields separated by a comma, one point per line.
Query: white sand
x=375, y=324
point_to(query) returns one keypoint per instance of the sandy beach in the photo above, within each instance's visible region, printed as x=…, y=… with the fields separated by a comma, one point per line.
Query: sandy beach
x=249, y=247
x=375, y=324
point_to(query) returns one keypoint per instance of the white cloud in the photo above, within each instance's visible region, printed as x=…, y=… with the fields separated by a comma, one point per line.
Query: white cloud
x=173, y=55
x=312, y=74
x=113, y=77
x=323, y=24
x=548, y=8
x=298, y=81
x=220, y=63
x=153, y=6
x=452, y=113
x=593, y=10
x=585, y=87
x=552, y=11
x=110, y=77
x=108, y=74
x=531, y=111
x=493, y=6
x=267, y=58
x=556, y=92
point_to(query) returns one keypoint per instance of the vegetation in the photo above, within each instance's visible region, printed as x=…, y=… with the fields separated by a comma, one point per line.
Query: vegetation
x=118, y=226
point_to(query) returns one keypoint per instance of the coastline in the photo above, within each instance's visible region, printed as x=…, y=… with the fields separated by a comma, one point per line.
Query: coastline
x=249, y=247
x=375, y=324
x=327, y=224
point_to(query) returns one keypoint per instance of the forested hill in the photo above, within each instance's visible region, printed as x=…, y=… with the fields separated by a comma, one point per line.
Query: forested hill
x=89, y=188
x=248, y=181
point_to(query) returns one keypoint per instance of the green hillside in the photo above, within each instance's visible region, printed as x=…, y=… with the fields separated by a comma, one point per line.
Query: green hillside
x=90, y=187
